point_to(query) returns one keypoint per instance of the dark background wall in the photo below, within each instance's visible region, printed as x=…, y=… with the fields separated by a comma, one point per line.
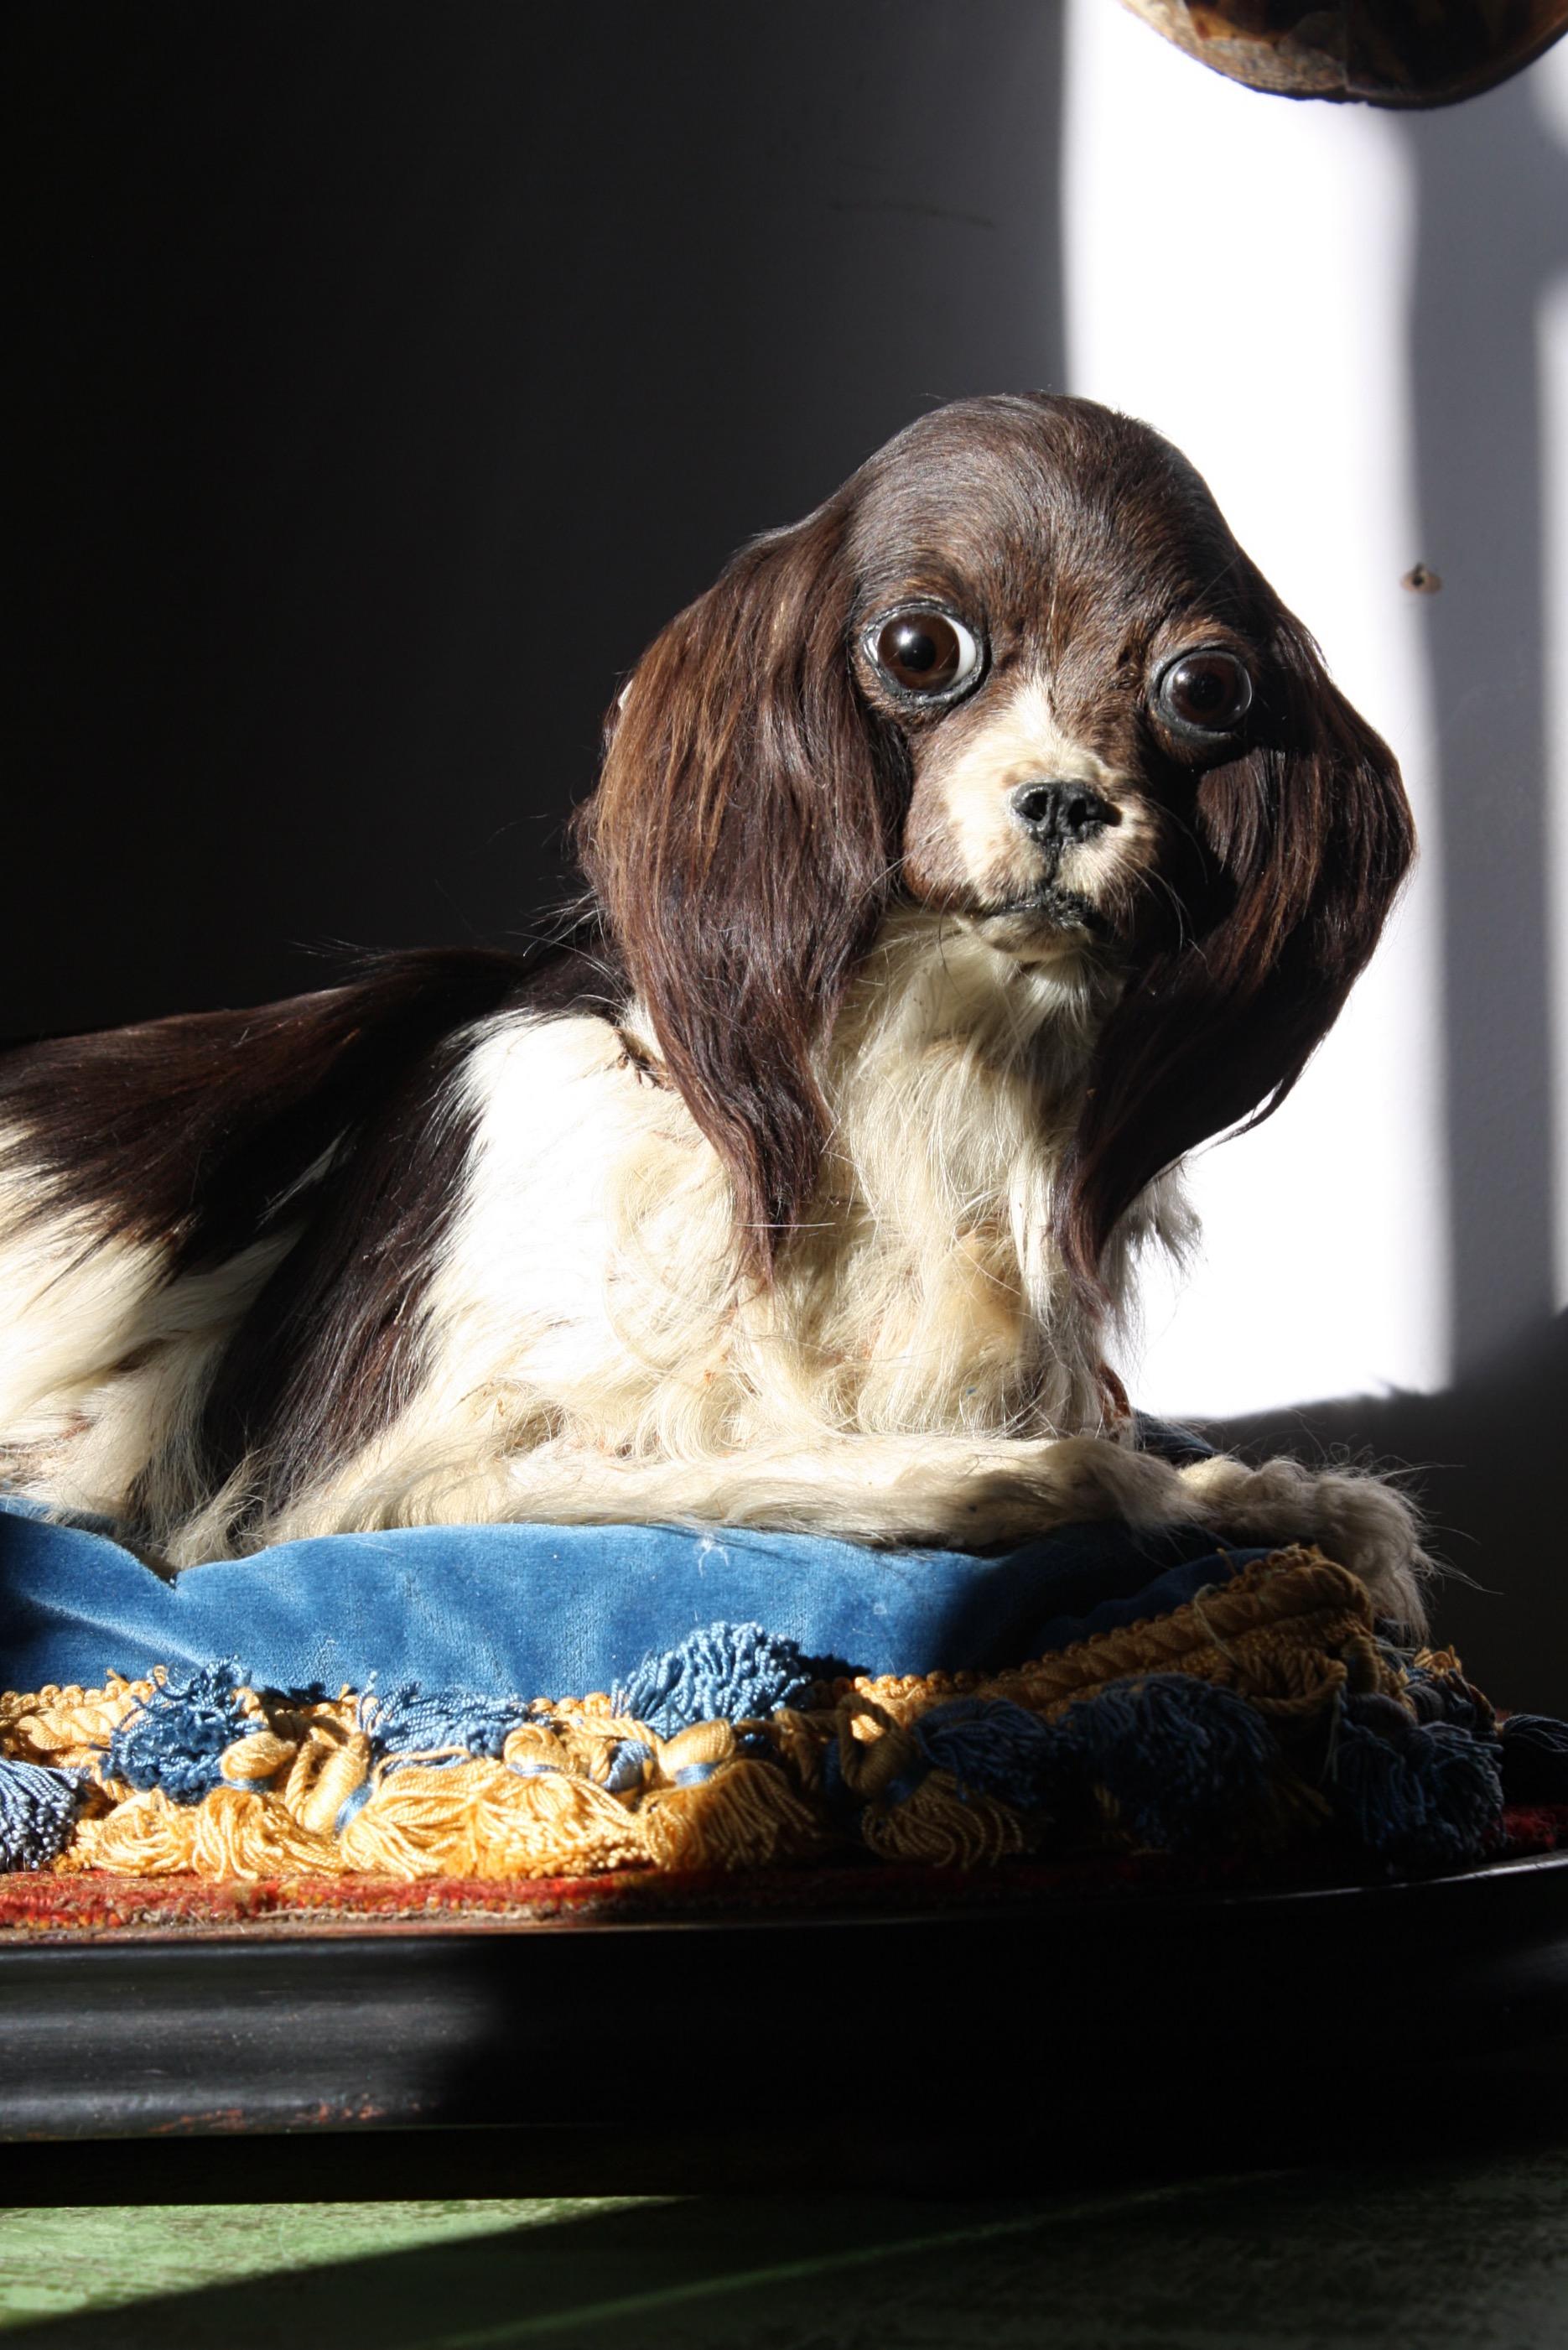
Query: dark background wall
x=391, y=372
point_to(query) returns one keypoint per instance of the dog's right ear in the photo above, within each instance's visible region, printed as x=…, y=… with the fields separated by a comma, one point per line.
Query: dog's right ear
x=744, y=843
x=1309, y=836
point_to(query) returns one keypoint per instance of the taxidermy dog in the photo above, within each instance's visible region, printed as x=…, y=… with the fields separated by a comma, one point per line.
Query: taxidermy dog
x=967, y=855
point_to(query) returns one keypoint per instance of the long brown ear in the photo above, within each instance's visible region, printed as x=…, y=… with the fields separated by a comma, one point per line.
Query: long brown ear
x=744, y=843
x=1305, y=843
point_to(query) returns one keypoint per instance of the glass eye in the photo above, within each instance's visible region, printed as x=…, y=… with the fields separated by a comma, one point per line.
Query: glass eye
x=1204, y=692
x=924, y=653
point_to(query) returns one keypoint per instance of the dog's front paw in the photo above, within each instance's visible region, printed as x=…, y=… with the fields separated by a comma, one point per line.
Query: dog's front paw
x=1011, y=1492
x=1360, y=1521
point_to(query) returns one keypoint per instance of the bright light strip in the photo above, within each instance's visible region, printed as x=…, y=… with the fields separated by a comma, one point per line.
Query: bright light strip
x=1553, y=350
x=1238, y=271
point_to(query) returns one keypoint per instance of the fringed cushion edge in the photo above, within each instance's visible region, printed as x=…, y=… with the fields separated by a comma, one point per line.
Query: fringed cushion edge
x=1266, y=1716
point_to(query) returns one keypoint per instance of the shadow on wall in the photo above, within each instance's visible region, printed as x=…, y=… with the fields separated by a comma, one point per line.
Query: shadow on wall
x=392, y=376
x=1485, y=1456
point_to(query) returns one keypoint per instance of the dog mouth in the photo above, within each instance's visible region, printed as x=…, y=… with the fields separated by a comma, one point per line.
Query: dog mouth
x=1050, y=907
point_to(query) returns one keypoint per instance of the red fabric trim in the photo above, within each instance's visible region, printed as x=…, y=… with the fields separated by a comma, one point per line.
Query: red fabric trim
x=91, y=1906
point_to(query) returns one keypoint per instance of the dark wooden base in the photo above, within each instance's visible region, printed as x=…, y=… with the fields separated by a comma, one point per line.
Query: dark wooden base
x=600, y=2053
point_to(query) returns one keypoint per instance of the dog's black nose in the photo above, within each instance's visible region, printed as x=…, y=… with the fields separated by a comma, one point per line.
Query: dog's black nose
x=1059, y=814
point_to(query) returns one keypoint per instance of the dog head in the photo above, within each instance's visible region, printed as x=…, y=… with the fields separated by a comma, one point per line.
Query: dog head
x=1016, y=670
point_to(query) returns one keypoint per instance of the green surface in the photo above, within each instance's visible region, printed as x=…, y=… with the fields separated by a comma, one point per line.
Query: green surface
x=56, y=2262
x=1470, y=2252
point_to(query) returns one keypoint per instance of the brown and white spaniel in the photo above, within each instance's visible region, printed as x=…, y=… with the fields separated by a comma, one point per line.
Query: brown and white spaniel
x=969, y=853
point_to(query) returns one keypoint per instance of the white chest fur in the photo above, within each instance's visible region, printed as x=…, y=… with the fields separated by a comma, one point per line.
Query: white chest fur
x=584, y=1322
x=588, y=1292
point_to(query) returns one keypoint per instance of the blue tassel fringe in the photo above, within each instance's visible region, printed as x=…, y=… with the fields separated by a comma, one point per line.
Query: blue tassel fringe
x=177, y=1737
x=1417, y=1795
x=410, y=1721
x=37, y=1807
x=1534, y=1759
x=727, y=1672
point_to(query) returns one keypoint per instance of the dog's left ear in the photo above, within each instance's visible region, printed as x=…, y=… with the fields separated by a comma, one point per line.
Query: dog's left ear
x=1305, y=843
x=744, y=842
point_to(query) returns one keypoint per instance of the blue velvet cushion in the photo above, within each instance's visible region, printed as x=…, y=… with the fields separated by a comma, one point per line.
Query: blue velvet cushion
x=560, y=1610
